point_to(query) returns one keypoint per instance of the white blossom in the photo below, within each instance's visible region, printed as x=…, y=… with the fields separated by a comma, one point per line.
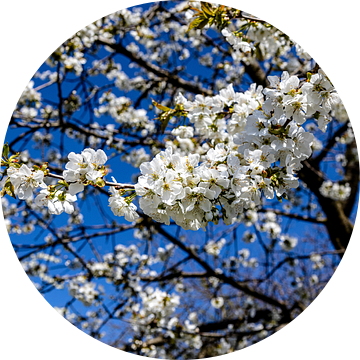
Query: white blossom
x=287, y=242
x=217, y=302
x=214, y=248
x=25, y=180
x=56, y=203
x=183, y=132
x=121, y=206
x=83, y=167
x=334, y=190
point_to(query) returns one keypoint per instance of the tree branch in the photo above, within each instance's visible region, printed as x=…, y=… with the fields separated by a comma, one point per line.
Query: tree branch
x=351, y=176
x=295, y=216
x=175, y=80
x=338, y=224
x=316, y=161
x=226, y=279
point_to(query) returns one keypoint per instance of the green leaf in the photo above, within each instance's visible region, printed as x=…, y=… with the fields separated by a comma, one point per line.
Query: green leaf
x=211, y=21
x=168, y=113
x=206, y=8
x=8, y=189
x=159, y=106
x=203, y=24
x=5, y=152
x=165, y=118
x=198, y=23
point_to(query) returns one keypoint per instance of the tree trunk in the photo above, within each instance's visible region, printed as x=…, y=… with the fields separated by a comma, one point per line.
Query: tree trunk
x=338, y=224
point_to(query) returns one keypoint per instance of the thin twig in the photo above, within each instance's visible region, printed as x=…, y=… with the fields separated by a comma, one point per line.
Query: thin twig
x=107, y=183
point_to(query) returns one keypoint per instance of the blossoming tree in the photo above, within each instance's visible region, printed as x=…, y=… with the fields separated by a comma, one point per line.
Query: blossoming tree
x=183, y=175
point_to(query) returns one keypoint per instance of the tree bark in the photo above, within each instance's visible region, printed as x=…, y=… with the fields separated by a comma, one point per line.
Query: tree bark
x=338, y=225
x=257, y=74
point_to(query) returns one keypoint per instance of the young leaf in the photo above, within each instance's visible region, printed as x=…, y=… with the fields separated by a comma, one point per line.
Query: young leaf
x=159, y=106
x=165, y=118
x=168, y=113
x=9, y=189
x=206, y=8
x=198, y=23
x=5, y=152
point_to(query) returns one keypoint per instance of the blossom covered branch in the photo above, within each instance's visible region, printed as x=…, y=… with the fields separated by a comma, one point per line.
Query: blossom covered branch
x=254, y=145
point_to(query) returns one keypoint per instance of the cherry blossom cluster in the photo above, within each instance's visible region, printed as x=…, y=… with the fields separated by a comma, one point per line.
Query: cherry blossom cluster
x=83, y=290
x=268, y=42
x=29, y=102
x=255, y=152
x=157, y=304
x=120, y=110
x=81, y=170
x=122, y=206
x=86, y=168
x=334, y=190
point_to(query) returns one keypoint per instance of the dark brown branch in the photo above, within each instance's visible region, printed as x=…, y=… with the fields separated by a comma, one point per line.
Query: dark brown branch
x=264, y=314
x=226, y=279
x=175, y=275
x=254, y=70
x=351, y=176
x=175, y=80
x=295, y=216
x=338, y=225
